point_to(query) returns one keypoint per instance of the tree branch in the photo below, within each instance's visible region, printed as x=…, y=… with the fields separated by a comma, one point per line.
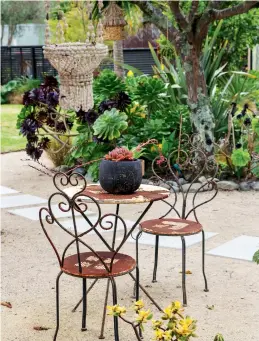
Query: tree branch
x=235, y=10
x=180, y=18
x=156, y=17
x=215, y=4
x=212, y=14
x=193, y=10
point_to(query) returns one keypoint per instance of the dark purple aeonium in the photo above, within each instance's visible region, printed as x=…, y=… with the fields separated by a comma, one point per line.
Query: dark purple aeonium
x=89, y=116
x=29, y=126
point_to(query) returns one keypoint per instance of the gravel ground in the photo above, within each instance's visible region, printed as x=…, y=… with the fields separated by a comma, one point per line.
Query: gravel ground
x=29, y=269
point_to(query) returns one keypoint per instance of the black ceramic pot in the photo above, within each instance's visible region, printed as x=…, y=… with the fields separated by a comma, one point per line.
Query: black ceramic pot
x=122, y=177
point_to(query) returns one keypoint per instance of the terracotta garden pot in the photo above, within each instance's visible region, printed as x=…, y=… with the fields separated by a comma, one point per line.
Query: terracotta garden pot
x=122, y=177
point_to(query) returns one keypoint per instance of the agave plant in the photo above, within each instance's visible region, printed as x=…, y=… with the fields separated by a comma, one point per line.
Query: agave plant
x=110, y=124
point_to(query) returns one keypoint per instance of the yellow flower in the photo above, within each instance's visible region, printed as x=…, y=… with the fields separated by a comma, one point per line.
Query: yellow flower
x=176, y=306
x=143, y=316
x=156, y=324
x=159, y=334
x=160, y=146
x=167, y=335
x=138, y=305
x=133, y=109
x=143, y=115
x=162, y=67
x=168, y=313
x=155, y=76
x=116, y=310
x=153, y=148
x=186, y=326
x=130, y=74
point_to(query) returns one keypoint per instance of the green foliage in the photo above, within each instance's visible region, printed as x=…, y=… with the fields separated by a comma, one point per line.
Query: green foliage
x=93, y=171
x=17, y=86
x=166, y=48
x=240, y=157
x=240, y=32
x=110, y=124
x=151, y=92
x=25, y=112
x=76, y=18
x=256, y=257
x=107, y=85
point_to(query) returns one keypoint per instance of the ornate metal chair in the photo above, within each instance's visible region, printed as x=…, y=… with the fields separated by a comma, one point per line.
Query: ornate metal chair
x=84, y=262
x=180, y=165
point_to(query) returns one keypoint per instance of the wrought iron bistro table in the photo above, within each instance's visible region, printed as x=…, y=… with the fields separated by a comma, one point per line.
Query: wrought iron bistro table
x=145, y=194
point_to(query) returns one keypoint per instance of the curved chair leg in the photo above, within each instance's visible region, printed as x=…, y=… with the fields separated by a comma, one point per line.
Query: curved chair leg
x=203, y=261
x=57, y=305
x=184, y=271
x=115, y=318
x=84, y=306
x=105, y=309
x=156, y=260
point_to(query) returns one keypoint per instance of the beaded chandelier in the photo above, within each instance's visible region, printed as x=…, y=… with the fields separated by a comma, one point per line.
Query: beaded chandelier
x=75, y=62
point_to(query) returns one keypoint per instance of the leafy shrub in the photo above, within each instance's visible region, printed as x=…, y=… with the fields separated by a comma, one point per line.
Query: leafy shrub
x=152, y=93
x=110, y=125
x=17, y=87
x=107, y=85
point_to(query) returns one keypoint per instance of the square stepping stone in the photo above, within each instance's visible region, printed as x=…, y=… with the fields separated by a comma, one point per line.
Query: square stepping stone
x=6, y=190
x=20, y=200
x=171, y=242
x=242, y=247
x=82, y=224
x=32, y=213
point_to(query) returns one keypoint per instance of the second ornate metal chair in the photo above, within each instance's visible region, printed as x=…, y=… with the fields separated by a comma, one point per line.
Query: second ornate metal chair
x=84, y=262
x=181, y=164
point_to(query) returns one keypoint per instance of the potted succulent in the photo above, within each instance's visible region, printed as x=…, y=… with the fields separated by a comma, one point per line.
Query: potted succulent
x=121, y=171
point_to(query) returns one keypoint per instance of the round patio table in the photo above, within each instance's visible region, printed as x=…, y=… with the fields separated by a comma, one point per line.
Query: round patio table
x=145, y=194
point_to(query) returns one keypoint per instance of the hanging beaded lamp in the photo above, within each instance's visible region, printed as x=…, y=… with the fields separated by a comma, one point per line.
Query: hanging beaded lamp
x=113, y=22
x=75, y=62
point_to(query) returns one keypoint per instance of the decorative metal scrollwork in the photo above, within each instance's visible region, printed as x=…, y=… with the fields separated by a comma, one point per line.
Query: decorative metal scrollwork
x=79, y=203
x=181, y=170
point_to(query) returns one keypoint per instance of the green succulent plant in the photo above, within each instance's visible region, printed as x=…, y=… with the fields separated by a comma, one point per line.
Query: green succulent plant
x=219, y=337
x=110, y=124
x=240, y=157
x=151, y=92
x=107, y=85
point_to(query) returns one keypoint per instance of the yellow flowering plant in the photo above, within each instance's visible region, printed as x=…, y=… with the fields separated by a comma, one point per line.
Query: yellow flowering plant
x=173, y=326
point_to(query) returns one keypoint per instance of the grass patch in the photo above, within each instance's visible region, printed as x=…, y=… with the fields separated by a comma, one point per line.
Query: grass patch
x=11, y=141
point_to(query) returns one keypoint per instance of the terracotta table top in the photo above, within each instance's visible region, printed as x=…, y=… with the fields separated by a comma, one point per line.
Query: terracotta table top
x=145, y=193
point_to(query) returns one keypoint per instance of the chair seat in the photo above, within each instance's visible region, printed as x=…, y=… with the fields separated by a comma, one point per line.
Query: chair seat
x=93, y=267
x=171, y=227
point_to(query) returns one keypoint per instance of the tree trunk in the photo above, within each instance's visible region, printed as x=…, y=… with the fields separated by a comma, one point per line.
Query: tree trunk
x=118, y=58
x=198, y=100
x=11, y=31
